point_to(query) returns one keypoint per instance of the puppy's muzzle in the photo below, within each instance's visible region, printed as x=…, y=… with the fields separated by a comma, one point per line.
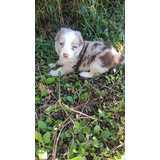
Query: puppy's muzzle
x=65, y=55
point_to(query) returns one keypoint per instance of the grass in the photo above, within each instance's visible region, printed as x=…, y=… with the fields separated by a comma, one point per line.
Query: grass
x=95, y=128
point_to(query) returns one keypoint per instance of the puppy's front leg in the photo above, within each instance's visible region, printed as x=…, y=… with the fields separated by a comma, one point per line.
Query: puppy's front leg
x=52, y=65
x=64, y=70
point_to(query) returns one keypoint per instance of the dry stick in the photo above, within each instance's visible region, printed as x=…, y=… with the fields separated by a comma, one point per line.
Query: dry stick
x=71, y=109
x=53, y=95
x=115, y=148
x=117, y=71
x=67, y=113
x=55, y=135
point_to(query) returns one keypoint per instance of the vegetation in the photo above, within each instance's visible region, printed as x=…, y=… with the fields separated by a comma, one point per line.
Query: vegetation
x=77, y=118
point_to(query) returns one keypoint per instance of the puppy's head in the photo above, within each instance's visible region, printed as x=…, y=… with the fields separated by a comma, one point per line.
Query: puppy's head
x=68, y=43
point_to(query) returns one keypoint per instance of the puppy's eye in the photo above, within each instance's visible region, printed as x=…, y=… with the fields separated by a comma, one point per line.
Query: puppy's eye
x=61, y=44
x=73, y=47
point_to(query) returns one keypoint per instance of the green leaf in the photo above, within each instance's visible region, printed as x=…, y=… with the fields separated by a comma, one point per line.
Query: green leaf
x=102, y=93
x=96, y=158
x=49, y=121
x=67, y=135
x=109, y=115
x=106, y=30
x=101, y=113
x=86, y=130
x=118, y=155
x=59, y=73
x=38, y=137
x=37, y=99
x=96, y=129
x=114, y=109
x=42, y=126
x=43, y=93
x=95, y=142
x=58, y=122
x=121, y=103
x=77, y=158
x=69, y=98
x=76, y=131
x=46, y=137
x=50, y=80
x=83, y=123
x=83, y=151
x=105, y=134
x=77, y=124
x=72, y=149
x=85, y=96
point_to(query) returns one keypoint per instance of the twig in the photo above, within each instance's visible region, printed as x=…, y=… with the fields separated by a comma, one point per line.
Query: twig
x=71, y=109
x=55, y=135
x=115, y=148
x=53, y=95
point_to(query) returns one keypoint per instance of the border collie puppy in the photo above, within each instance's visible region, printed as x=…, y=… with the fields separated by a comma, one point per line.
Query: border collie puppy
x=85, y=56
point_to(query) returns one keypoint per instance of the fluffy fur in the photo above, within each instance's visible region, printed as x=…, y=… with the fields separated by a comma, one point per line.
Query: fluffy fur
x=85, y=56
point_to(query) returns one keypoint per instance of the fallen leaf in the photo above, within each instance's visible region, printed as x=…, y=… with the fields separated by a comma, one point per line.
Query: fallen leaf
x=48, y=91
x=48, y=109
x=48, y=98
x=41, y=87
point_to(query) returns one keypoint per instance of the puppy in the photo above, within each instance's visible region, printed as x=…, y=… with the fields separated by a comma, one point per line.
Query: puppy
x=86, y=56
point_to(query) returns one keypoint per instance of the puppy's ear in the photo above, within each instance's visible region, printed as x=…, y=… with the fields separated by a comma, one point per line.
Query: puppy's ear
x=79, y=35
x=59, y=33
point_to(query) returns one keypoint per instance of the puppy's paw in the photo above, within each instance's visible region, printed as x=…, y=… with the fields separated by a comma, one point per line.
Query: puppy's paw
x=52, y=65
x=86, y=74
x=53, y=73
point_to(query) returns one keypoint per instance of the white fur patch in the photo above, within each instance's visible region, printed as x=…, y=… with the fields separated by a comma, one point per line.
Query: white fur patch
x=54, y=73
x=114, y=51
x=69, y=37
x=52, y=65
x=86, y=74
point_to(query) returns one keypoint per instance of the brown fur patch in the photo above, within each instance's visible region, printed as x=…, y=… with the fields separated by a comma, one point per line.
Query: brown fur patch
x=84, y=64
x=107, y=45
x=91, y=59
x=95, y=45
x=81, y=55
x=110, y=60
x=107, y=59
x=104, y=48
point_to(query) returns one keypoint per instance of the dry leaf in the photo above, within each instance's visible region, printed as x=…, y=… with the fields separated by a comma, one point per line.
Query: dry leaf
x=48, y=98
x=48, y=91
x=48, y=109
x=41, y=87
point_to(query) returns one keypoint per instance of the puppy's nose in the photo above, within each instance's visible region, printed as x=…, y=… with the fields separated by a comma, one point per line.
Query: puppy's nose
x=65, y=55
